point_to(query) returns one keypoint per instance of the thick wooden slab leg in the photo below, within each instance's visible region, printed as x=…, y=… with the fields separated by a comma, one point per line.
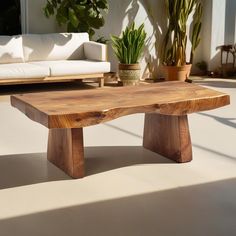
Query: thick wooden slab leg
x=66, y=150
x=168, y=136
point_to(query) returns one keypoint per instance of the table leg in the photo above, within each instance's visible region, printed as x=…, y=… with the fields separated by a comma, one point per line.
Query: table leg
x=168, y=136
x=66, y=150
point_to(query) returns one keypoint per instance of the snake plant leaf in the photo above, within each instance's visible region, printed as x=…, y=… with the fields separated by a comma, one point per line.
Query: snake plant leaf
x=175, y=39
x=129, y=46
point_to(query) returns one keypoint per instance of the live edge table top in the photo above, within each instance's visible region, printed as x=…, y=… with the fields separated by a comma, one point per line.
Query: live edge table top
x=76, y=109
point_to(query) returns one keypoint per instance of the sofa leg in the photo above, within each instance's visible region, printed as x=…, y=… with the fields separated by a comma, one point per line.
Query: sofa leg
x=101, y=82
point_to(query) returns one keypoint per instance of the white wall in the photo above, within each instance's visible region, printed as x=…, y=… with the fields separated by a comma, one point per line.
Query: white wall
x=216, y=28
x=37, y=22
x=206, y=34
x=218, y=31
x=230, y=21
x=219, y=24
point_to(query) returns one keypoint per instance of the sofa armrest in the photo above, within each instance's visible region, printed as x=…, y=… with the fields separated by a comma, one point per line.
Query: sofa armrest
x=95, y=51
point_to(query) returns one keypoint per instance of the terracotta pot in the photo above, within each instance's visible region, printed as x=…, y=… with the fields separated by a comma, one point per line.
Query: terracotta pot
x=129, y=74
x=180, y=73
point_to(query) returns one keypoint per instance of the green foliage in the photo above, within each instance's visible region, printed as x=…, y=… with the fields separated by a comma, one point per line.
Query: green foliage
x=175, y=41
x=103, y=40
x=78, y=15
x=129, y=47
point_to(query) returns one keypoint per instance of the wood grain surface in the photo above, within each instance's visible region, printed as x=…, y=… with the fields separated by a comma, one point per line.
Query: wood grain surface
x=66, y=150
x=168, y=136
x=76, y=109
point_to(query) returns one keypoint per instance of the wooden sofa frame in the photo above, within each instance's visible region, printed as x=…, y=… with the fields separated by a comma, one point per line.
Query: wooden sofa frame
x=98, y=77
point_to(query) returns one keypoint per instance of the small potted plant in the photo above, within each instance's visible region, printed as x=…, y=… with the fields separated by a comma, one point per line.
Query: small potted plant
x=175, y=41
x=129, y=48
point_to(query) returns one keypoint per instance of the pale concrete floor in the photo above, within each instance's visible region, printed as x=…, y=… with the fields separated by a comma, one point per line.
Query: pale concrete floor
x=128, y=191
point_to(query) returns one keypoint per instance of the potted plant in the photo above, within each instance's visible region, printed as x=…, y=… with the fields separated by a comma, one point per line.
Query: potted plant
x=129, y=48
x=175, y=41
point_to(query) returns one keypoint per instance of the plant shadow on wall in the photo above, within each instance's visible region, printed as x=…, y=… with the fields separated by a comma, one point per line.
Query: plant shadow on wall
x=159, y=23
x=131, y=13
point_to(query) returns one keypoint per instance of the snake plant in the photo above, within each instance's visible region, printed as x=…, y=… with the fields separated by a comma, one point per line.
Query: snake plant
x=129, y=47
x=175, y=41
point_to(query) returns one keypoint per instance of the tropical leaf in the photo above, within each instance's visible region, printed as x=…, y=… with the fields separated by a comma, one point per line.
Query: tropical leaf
x=73, y=18
x=78, y=15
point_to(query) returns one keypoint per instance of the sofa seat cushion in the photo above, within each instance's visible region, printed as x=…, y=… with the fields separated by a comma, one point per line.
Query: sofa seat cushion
x=74, y=67
x=23, y=71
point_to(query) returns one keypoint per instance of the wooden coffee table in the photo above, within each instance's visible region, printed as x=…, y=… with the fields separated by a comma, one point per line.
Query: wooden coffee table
x=165, y=105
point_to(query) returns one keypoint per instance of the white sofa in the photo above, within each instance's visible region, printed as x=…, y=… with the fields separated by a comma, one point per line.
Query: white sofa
x=37, y=58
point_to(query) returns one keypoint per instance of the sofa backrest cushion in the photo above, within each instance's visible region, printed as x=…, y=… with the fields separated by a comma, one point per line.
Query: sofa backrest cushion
x=52, y=47
x=11, y=50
